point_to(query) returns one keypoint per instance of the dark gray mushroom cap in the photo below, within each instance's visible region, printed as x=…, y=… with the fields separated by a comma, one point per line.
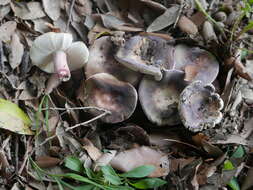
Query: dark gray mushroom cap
x=199, y=106
x=101, y=60
x=159, y=99
x=204, y=64
x=105, y=91
x=146, y=54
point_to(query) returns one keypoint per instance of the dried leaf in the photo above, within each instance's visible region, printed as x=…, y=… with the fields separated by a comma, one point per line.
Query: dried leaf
x=167, y=18
x=13, y=118
x=5, y=2
x=47, y=161
x=93, y=151
x=4, y=10
x=52, y=8
x=133, y=158
x=7, y=30
x=17, y=51
x=28, y=11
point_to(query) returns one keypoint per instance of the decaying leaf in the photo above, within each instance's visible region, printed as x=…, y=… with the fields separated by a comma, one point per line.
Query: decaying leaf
x=13, y=118
x=27, y=11
x=132, y=158
x=93, y=151
x=47, y=161
x=166, y=19
x=17, y=51
x=6, y=30
x=52, y=8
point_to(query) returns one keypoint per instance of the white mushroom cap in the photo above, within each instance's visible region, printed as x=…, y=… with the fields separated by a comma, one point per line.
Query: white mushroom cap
x=46, y=45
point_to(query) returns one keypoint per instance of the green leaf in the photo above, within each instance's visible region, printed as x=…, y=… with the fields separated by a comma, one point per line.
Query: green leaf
x=90, y=174
x=239, y=152
x=85, y=187
x=139, y=172
x=13, y=118
x=233, y=184
x=73, y=163
x=149, y=183
x=110, y=175
x=228, y=165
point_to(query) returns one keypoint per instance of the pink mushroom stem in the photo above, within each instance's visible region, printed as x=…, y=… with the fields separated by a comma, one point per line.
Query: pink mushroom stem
x=61, y=66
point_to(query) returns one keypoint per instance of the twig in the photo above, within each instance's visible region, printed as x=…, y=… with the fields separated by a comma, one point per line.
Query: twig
x=75, y=108
x=179, y=13
x=77, y=125
x=70, y=13
x=180, y=142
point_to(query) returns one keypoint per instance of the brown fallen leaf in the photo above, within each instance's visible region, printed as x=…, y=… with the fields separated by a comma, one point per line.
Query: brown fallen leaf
x=47, y=161
x=187, y=26
x=93, y=151
x=135, y=157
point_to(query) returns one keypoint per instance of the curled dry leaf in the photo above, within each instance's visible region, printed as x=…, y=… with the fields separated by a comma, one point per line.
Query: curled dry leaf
x=166, y=19
x=132, y=158
x=199, y=106
x=7, y=30
x=27, y=11
x=17, y=51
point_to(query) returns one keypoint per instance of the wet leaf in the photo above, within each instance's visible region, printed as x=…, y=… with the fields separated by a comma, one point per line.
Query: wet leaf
x=149, y=183
x=167, y=18
x=139, y=172
x=13, y=118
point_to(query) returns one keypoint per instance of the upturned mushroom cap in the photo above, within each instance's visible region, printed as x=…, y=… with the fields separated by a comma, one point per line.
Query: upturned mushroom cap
x=199, y=106
x=105, y=91
x=146, y=54
x=101, y=60
x=159, y=99
x=44, y=47
x=199, y=64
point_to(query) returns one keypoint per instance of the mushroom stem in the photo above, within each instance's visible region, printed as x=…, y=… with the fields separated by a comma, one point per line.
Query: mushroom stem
x=61, y=66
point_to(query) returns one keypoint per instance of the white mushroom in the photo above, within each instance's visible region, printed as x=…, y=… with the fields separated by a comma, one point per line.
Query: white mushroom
x=56, y=53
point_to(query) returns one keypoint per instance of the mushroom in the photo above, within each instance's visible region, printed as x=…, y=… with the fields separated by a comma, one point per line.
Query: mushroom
x=101, y=60
x=56, y=53
x=199, y=106
x=104, y=91
x=159, y=99
x=146, y=54
x=197, y=63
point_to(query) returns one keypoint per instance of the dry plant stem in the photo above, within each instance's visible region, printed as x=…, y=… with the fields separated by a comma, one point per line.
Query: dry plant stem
x=61, y=66
x=75, y=126
x=76, y=108
x=70, y=13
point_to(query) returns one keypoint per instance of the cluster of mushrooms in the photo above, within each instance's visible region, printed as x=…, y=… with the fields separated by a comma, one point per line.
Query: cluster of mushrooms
x=174, y=82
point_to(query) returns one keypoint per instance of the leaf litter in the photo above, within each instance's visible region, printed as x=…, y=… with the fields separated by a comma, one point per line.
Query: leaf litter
x=74, y=134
